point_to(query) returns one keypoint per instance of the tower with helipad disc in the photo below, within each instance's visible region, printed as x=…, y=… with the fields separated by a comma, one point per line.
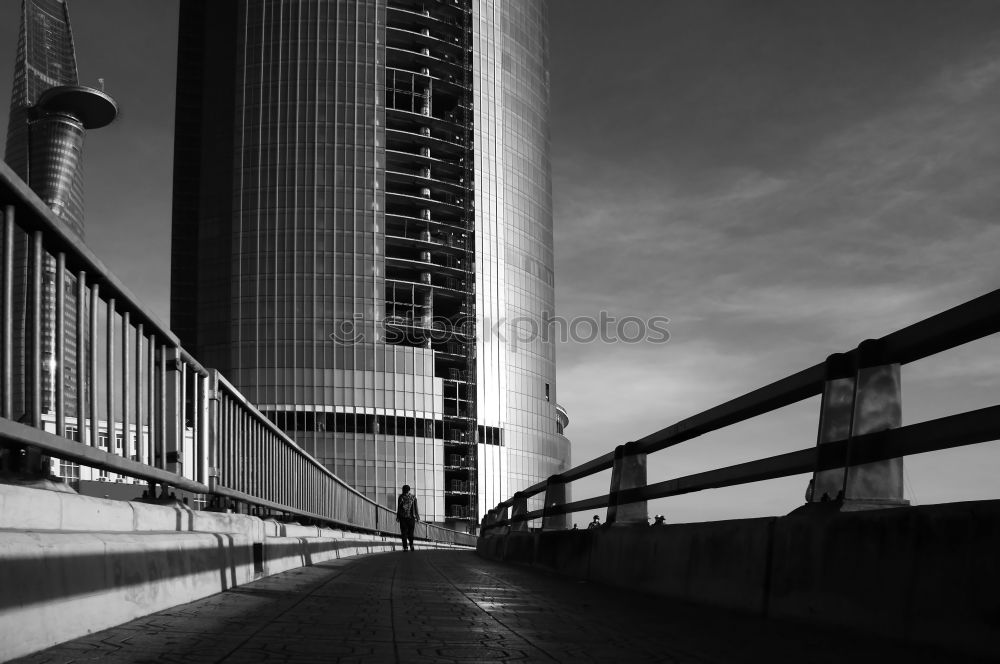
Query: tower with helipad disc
x=50, y=113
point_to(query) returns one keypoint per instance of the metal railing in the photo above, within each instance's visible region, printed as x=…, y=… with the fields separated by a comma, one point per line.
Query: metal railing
x=967, y=322
x=183, y=426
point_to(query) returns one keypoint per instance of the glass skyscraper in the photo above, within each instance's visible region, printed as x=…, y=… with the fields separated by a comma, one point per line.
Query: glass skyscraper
x=49, y=115
x=362, y=226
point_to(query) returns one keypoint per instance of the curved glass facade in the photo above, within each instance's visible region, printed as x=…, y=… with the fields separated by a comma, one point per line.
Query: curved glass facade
x=514, y=257
x=344, y=260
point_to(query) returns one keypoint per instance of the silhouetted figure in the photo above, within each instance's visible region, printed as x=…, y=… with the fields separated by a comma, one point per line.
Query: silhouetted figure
x=407, y=515
x=596, y=523
x=659, y=520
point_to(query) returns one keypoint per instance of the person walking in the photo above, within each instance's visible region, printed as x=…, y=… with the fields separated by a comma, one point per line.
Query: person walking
x=596, y=523
x=407, y=515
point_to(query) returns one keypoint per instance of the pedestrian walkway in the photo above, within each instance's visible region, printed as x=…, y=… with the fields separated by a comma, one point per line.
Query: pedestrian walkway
x=452, y=606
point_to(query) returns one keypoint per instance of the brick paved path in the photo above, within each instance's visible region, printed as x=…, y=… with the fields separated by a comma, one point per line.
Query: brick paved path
x=452, y=606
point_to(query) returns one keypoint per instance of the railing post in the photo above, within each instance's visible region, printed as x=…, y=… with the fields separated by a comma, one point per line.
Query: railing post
x=555, y=496
x=489, y=521
x=211, y=451
x=82, y=380
x=109, y=366
x=141, y=446
x=7, y=317
x=36, y=356
x=127, y=446
x=486, y=522
x=59, y=379
x=152, y=389
x=628, y=472
x=519, y=508
x=861, y=395
x=92, y=390
x=835, y=414
x=173, y=413
x=203, y=430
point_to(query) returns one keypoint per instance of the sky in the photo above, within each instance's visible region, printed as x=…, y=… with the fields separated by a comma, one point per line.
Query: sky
x=780, y=178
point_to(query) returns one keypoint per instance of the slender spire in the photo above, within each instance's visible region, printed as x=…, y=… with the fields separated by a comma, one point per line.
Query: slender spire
x=46, y=59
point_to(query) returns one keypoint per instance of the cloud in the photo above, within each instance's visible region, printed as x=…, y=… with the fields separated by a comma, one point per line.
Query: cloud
x=976, y=76
x=879, y=218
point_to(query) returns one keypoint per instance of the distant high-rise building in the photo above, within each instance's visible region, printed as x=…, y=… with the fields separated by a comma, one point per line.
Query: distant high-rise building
x=362, y=215
x=49, y=115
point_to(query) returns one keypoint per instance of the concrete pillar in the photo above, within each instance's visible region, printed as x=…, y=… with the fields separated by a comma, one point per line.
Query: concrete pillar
x=861, y=395
x=628, y=472
x=555, y=495
x=878, y=406
x=486, y=523
x=836, y=411
x=520, y=507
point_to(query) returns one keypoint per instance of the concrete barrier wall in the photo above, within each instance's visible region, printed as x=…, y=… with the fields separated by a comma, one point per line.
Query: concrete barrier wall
x=284, y=553
x=922, y=574
x=60, y=585
x=71, y=565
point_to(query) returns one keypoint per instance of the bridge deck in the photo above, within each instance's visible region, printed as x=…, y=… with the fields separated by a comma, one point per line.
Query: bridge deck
x=452, y=606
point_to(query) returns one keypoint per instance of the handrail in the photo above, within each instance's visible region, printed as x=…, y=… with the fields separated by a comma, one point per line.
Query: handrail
x=784, y=392
x=964, y=323
x=78, y=255
x=977, y=426
x=182, y=425
x=95, y=458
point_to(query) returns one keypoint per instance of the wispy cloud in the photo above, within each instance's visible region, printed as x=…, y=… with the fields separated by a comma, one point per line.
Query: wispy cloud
x=882, y=213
